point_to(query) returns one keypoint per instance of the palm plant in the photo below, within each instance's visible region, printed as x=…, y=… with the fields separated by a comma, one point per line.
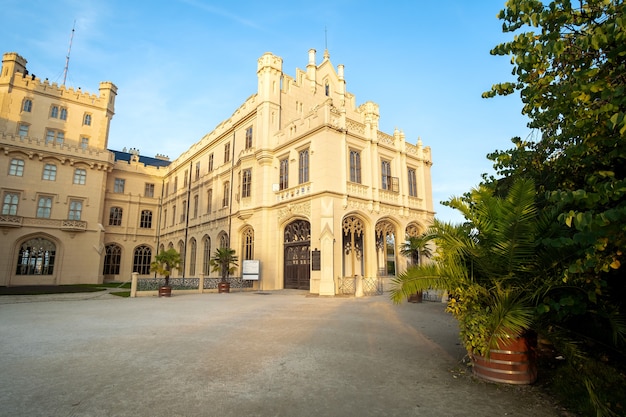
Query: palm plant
x=416, y=248
x=164, y=262
x=491, y=265
x=224, y=261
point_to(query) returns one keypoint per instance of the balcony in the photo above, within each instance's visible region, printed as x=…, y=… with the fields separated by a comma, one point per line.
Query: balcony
x=10, y=221
x=73, y=225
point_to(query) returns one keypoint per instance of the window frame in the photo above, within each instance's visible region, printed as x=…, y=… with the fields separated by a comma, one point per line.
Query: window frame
x=10, y=207
x=116, y=215
x=145, y=219
x=23, y=129
x=44, y=207
x=385, y=172
x=248, y=143
x=227, y=152
x=355, y=166
x=80, y=176
x=283, y=174
x=87, y=119
x=49, y=172
x=246, y=183
x=119, y=184
x=412, y=182
x=226, y=197
x=27, y=105
x=75, y=210
x=303, y=166
x=148, y=190
x=16, y=167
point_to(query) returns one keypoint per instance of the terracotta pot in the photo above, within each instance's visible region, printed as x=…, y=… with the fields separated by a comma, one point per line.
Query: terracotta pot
x=165, y=291
x=513, y=363
x=415, y=298
x=223, y=287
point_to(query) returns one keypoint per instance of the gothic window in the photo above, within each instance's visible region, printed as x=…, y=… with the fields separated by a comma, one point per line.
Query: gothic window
x=355, y=166
x=192, y=257
x=112, y=259
x=226, y=197
x=303, y=166
x=54, y=112
x=115, y=216
x=283, y=179
x=63, y=114
x=246, y=183
x=141, y=260
x=36, y=257
x=27, y=106
x=87, y=119
x=249, y=137
x=386, y=175
x=248, y=243
x=76, y=209
x=145, y=222
x=206, y=256
x=148, y=190
x=10, y=203
x=227, y=152
x=412, y=182
x=44, y=207
x=209, y=197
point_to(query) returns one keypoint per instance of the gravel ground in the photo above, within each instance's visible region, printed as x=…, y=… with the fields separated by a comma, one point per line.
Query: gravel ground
x=279, y=353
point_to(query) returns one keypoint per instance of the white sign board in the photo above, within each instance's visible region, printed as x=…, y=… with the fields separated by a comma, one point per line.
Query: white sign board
x=251, y=269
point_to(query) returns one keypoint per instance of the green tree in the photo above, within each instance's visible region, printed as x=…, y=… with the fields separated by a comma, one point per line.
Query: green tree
x=224, y=261
x=569, y=61
x=164, y=262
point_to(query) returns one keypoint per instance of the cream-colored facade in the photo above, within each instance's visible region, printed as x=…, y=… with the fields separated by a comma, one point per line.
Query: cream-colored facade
x=299, y=178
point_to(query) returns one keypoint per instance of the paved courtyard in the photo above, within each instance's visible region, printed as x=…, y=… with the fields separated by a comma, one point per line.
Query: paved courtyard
x=279, y=353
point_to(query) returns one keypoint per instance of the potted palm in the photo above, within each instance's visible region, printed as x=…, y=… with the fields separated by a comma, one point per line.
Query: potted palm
x=495, y=271
x=415, y=248
x=163, y=264
x=224, y=261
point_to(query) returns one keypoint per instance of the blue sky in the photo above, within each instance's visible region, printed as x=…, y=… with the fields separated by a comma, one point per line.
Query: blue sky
x=183, y=66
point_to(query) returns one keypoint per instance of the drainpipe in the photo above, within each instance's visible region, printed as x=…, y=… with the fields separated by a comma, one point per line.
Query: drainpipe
x=187, y=214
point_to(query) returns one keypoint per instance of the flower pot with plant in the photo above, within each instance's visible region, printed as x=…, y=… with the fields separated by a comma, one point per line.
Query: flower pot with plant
x=163, y=264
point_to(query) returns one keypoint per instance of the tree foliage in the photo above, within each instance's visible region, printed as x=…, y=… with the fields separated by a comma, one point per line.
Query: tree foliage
x=165, y=262
x=224, y=261
x=569, y=65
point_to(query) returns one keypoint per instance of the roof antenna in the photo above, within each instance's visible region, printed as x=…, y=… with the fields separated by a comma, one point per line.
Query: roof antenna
x=67, y=58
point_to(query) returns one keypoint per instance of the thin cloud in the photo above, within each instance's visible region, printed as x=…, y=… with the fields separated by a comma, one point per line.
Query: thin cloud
x=220, y=12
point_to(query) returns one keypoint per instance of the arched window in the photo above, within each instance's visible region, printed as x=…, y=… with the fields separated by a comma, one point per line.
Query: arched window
x=54, y=112
x=142, y=259
x=181, y=250
x=36, y=257
x=192, y=257
x=87, y=119
x=248, y=243
x=112, y=259
x=63, y=115
x=223, y=240
x=206, y=255
x=386, y=248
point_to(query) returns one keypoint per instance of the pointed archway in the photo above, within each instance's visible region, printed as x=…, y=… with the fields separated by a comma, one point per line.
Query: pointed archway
x=297, y=244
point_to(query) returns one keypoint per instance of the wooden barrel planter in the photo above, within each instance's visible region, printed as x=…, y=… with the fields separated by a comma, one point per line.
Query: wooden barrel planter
x=513, y=363
x=223, y=287
x=165, y=291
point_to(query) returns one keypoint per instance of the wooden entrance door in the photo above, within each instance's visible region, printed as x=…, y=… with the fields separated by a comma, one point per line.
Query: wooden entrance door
x=297, y=243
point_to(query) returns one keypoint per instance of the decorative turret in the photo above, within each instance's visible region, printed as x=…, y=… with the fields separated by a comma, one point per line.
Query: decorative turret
x=12, y=62
x=311, y=70
x=269, y=72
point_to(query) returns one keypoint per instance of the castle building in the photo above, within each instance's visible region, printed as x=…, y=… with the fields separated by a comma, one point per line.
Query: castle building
x=299, y=178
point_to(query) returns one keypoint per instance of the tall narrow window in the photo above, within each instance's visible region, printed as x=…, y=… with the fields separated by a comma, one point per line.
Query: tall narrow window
x=63, y=114
x=27, y=106
x=186, y=178
x=283, y=179
x=227, y=152
x=181, y=250
x=44, y=207
x=115, y=216
x=145, y=222
x=211, y=163
x=9, y=204
x=23, y=130
x=87, y=119
x=76, y=209
x=412, y=182
x=248, y=244
x=226, y=198
x=84, y=142
x=141, y=260
x=385, y=170
x=246, y=183
x=303, y=167
x=148, y=190
x=192, y=257
x=17, y=167
x=49, y=172
x=173, y=215
x=112, y=260
x=80, y=176
x=355, y=166
x=54, y=112
x=119, y=184
x=249, y=137
x=175, y=184
x=195, y=206
x=183, y=214
x=206, y=256
x=197, y=171
x=164, y=218
x=209, y=201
